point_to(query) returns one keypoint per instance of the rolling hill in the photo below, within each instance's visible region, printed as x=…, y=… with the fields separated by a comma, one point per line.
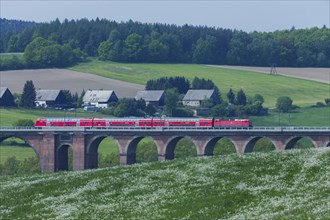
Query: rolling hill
x=278, y=185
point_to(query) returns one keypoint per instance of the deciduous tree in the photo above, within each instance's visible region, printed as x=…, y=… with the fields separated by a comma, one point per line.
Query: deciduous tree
x=284, y=103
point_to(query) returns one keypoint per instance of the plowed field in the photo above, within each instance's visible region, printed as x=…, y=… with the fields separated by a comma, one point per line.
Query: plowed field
x=65, y=79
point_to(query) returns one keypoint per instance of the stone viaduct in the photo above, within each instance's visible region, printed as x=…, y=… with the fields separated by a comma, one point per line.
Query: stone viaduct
x=51, y=144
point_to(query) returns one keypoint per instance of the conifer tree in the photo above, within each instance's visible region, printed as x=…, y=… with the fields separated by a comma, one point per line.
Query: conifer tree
x=28, y=95
x=231, y=96
x=241, y=98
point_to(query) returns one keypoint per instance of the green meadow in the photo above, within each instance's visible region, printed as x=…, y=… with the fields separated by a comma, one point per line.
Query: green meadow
x=9, y=116
x=4, y=56
x=302, y=92
x=293, y=184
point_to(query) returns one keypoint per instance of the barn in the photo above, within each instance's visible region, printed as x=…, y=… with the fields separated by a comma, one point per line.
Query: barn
x=154, y=97
x=194, y=98
x=6, y=98
x=99, y=98
x=50, y=98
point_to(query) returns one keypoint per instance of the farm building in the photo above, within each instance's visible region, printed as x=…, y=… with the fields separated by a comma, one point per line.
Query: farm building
x=6, y=98
x=50, y=98
x=99, y=98
x=154, y=97
x=194, y=98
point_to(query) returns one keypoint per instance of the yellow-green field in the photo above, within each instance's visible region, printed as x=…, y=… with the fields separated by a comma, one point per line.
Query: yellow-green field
x=302, y=92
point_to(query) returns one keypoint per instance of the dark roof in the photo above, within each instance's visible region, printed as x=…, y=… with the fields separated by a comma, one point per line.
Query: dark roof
x=98, y=95
x=2, y=90
x=149, y=95
x=47, y=94
x=198, y=95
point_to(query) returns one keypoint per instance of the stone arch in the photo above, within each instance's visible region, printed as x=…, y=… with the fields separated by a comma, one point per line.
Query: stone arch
x=224, y=146
x=292, y=141
x=147, y=150
x=209, y=147
x=211, y=144
x=28, y=142
x=131, y=147
x=62, y=157
x=92, y=150
x=171, y=145
x=128, y=148
x=251, y=143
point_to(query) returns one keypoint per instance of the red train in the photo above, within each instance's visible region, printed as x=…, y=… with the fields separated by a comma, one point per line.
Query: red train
x=141, y=122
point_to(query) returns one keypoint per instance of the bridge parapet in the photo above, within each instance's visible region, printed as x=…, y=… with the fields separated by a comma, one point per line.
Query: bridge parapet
x=165, y=129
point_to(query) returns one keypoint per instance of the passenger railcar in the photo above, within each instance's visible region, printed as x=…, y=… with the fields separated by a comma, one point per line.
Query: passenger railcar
x=142, y=122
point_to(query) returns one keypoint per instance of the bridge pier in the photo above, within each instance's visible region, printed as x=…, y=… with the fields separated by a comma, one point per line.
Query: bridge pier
x=240, y=143
x=126, y=149
x=321, y=141
x=161, y=142
x=44, y=146
x=201, y=142
x=79, y=151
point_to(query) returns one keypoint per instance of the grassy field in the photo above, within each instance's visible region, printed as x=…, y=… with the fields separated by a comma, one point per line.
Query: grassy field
x=4, y=56
x=10, y=116
x=278, y=185
x=307, y=116
x=302, y=92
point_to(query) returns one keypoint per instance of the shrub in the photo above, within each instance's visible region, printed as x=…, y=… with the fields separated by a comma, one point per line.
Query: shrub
x=284, y=104
x=327, y=101
x=13, y=166
x=319, y=105
x=24, y=122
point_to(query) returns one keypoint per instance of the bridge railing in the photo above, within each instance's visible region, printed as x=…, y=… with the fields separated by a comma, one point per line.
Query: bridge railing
x=164, y=129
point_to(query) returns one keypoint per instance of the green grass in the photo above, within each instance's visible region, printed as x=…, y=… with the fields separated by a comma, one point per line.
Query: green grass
x=108, y=146
x=4, y=56
x=10, y=116
x=302, y=92
x=308, y=116
x=20, y=153
x=277, y=185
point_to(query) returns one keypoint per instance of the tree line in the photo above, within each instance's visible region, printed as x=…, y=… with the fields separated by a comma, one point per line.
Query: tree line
x=161, y=43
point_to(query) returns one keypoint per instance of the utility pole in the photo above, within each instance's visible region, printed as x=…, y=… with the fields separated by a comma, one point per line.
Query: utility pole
x=273, y=69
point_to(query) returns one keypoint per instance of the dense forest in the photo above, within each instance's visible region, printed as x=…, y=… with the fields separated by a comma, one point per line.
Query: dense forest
x=162, y=43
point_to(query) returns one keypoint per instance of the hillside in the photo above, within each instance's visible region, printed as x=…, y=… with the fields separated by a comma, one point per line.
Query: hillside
x=302, y=92
x=292, y=184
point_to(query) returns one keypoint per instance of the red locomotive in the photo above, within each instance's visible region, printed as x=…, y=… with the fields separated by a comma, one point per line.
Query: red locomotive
x=142, y=122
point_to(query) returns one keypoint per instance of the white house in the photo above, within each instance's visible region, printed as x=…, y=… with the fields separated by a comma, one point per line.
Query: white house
x=99, y=98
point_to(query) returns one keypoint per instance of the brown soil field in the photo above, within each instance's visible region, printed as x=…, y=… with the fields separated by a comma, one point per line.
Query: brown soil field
x=65, y=79
x=314, y=74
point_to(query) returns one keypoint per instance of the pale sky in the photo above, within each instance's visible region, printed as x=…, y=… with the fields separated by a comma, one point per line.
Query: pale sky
x=243, y=15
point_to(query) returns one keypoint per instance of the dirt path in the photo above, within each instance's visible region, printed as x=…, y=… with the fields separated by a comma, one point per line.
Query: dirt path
x=315, y=74
x=65, y=79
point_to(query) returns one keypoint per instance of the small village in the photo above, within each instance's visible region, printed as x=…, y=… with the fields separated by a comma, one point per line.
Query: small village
x=94, y=100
